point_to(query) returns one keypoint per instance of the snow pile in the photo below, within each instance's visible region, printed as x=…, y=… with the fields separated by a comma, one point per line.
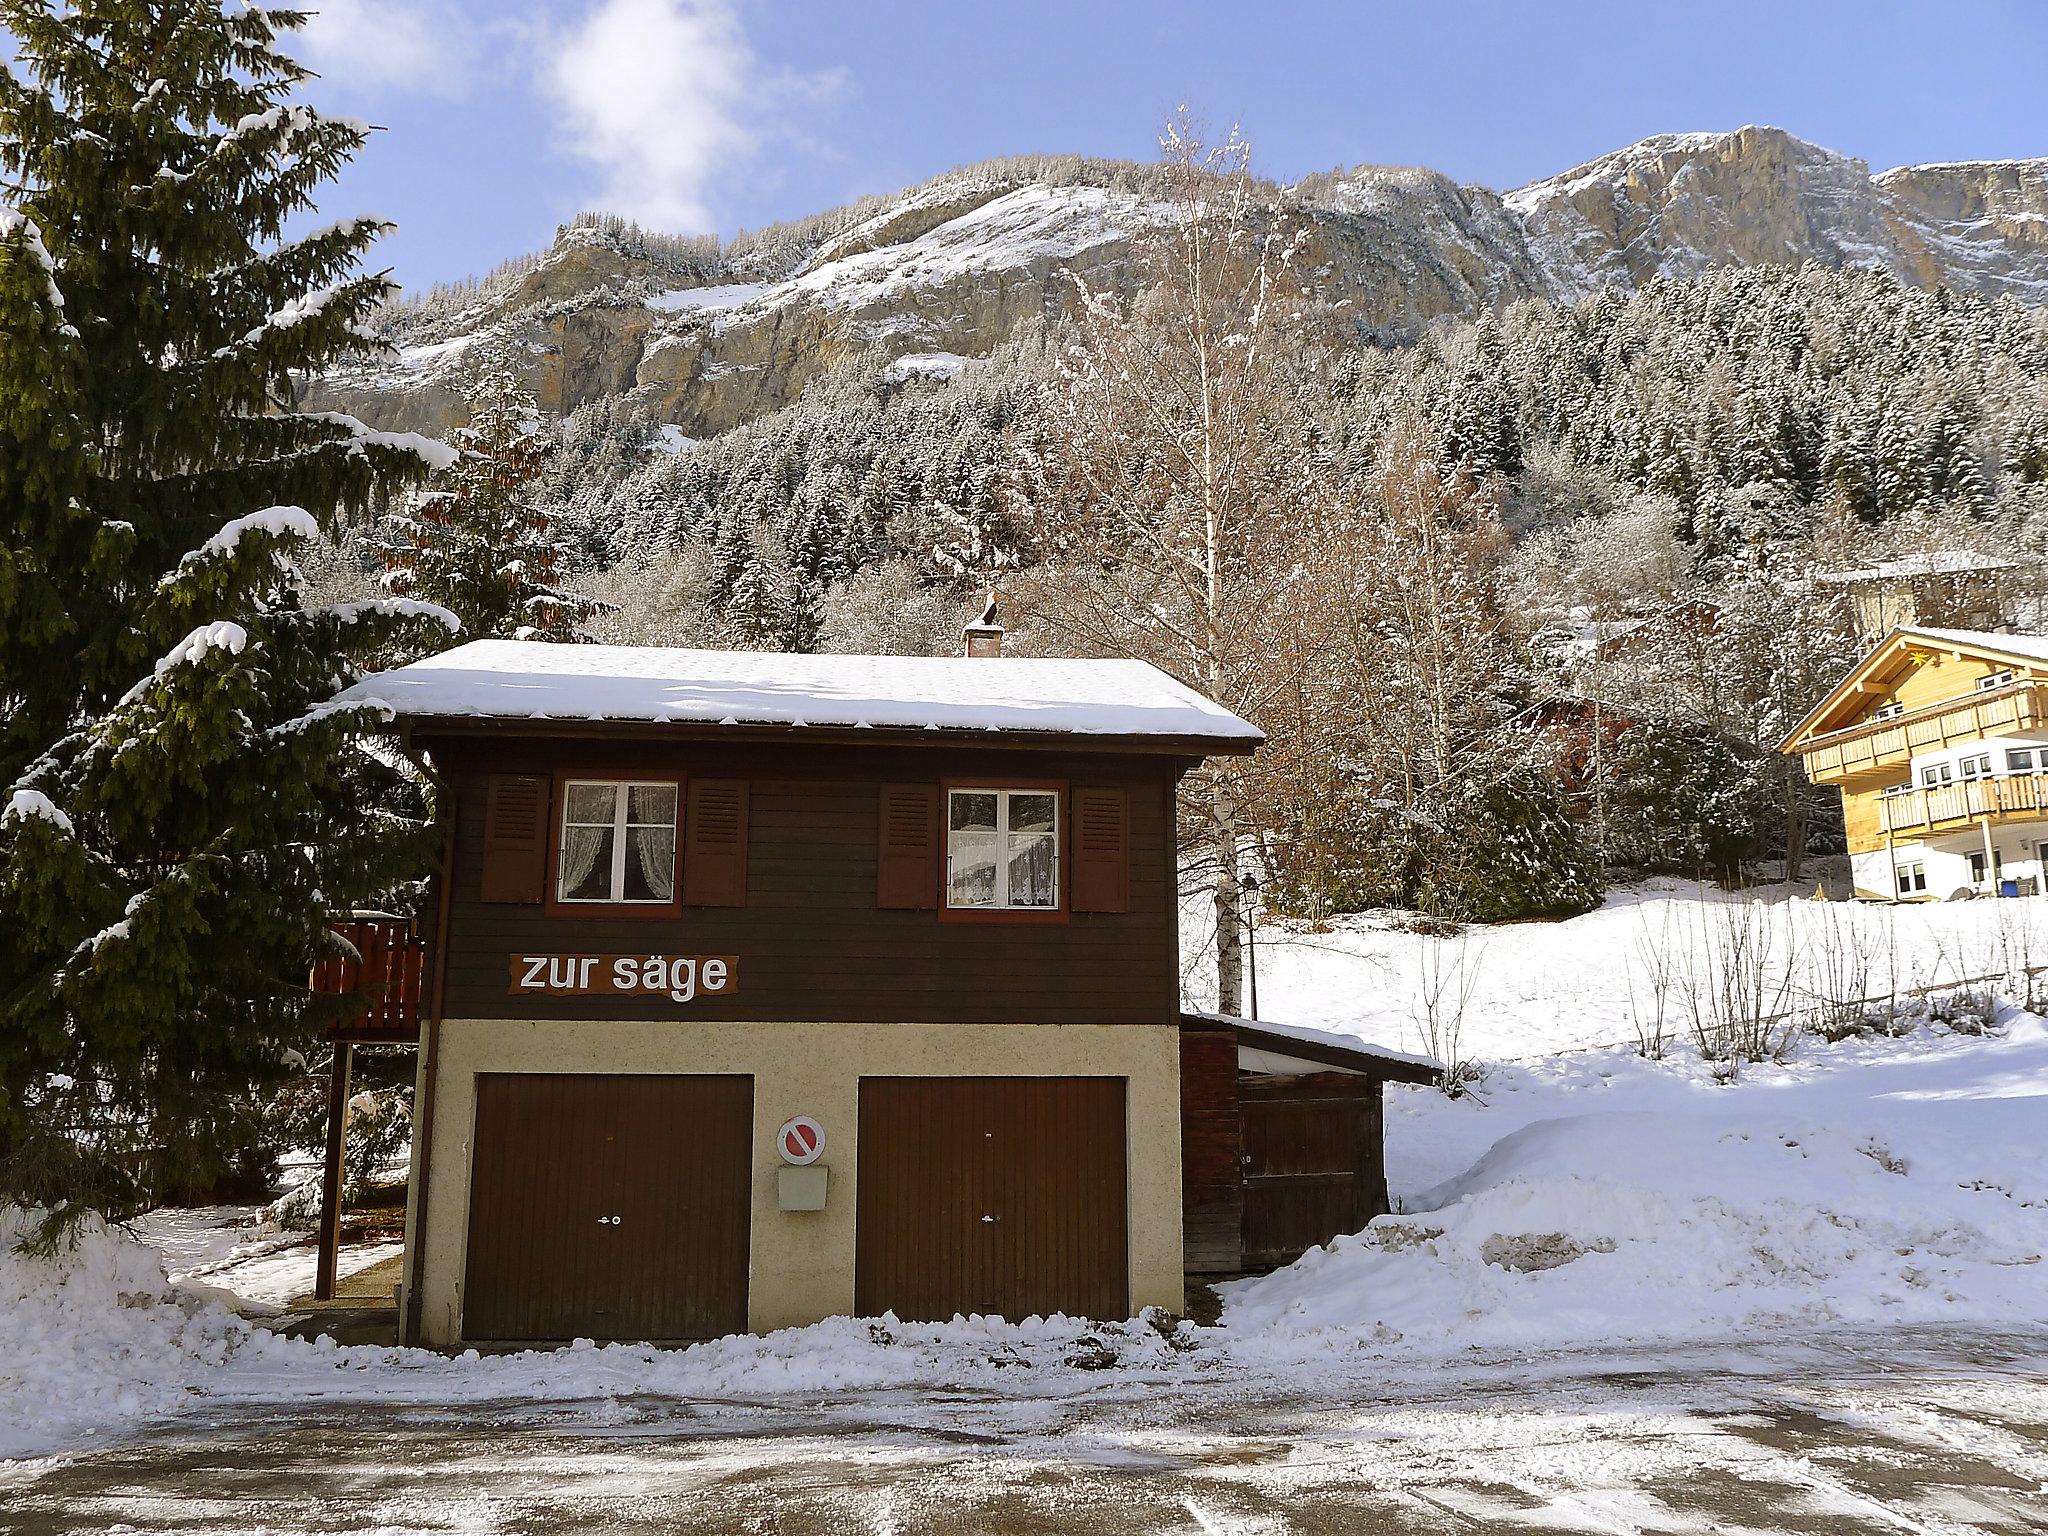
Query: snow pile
x=1908, y=1184
x=94, y=1336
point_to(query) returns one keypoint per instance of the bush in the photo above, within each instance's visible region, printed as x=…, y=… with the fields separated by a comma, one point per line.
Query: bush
x=1511, y=851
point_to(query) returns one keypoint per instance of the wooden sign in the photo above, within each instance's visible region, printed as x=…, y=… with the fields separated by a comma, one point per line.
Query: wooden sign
x=679, y=978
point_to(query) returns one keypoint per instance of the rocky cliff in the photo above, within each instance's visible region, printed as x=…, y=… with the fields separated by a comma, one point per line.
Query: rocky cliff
x=956, y=265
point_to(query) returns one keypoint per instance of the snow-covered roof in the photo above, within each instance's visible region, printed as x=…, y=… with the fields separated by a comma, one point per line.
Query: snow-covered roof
x=2028, y=647
x=1939, y=562
x=532, y=680
x=1263, y=1046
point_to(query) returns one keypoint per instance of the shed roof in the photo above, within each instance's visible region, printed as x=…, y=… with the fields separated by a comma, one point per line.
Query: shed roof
x=1264, y=1045
x=535, y=681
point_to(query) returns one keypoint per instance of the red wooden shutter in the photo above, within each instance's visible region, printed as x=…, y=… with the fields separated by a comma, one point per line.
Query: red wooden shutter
x=715, y=847
x=516, y=838
x=907, y=860
x=1101, y=878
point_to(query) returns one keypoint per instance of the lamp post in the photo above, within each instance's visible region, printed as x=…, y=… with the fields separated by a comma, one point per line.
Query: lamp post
x=1250, y=886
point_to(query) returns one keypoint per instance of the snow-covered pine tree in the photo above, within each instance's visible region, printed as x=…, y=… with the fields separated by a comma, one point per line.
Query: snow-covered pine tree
x=181, y=810
x=478, y=542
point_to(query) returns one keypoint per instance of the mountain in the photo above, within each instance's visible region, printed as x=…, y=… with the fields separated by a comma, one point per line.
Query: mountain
x=705, y=340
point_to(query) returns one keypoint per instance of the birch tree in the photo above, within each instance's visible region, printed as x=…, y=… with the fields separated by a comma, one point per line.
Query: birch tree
x=1164, y=483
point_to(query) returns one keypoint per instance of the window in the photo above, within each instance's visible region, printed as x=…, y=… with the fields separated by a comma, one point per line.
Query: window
x=1978, y=872
x=618, y=843
x=1976, y=766
x=2021, y=760
x=1934, y=775
x=1002, y=849
x=1995, y=680
x=1912, y=879
x=1890, y=711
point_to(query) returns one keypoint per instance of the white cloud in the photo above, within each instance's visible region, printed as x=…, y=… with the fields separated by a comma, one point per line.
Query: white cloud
x=665, y=97
x=371, y=45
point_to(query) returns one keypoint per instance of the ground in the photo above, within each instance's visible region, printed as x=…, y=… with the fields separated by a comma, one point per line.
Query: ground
x=1927, y=1433
x=1620, y=1293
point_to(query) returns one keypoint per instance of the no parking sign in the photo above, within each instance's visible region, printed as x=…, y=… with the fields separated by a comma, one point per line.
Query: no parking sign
x=801, y=1140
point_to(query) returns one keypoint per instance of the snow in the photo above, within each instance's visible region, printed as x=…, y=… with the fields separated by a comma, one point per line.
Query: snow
x=24, y=803
x=1862, y=1185
x=1940, y=562
x=12, y=223
x=390, y=608
x=220, y=635
x=670, y=438
x=1583, y=1198
x=2033, y=647
x=435, y=454
x=522, y=680
x=1540, y=988
x=278, y=522
x=932, y=367
x=712, y=296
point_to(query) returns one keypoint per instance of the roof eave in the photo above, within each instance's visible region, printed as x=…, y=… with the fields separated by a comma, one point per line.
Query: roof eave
x=850, y=735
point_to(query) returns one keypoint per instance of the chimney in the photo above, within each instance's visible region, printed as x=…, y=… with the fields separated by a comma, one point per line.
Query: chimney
x=983, y=637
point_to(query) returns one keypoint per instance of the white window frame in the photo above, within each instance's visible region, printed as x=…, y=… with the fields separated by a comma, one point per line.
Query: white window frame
x=1890, y=711
x=1994, y=680
x=1002, y=903
x=1912, y=879
x=622, y=790
x=1936, y=776
x=2020, y=760
x=1976, y=766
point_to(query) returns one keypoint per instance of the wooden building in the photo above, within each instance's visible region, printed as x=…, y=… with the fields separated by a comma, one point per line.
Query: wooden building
x=767, y=988
x=1941, y=589
x=1938, y=741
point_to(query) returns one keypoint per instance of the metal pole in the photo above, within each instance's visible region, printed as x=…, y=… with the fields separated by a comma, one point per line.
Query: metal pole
x=1251, y=924
x=330, y=1174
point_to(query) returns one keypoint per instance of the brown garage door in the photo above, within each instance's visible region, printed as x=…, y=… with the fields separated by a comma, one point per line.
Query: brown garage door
x=1002, y=1195
x=609, y=1207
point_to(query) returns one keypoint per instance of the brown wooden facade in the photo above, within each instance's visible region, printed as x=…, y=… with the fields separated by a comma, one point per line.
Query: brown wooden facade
x=815, y=897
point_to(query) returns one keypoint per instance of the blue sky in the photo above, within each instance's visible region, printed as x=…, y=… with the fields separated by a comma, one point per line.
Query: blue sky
x=504, y=116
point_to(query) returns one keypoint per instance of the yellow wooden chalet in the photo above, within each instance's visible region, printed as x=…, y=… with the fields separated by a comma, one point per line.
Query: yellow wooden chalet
x=1938, y=740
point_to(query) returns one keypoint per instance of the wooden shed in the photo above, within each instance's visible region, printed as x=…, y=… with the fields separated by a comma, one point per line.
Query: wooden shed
x=1282, y=1139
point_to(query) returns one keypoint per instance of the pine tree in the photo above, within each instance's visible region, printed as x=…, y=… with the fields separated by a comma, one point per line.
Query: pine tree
x=181, y=807
x=478, y=543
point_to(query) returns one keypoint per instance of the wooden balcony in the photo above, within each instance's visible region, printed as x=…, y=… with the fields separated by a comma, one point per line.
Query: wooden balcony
x=1878, y=745
x=1953, y=806
x=381, y=967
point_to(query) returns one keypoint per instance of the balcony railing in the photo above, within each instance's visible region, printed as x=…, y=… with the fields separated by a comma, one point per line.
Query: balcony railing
x=1917, y=810
x=2021, y=706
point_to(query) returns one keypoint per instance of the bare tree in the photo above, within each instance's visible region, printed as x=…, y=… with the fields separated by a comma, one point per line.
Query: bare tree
x=1166, y=487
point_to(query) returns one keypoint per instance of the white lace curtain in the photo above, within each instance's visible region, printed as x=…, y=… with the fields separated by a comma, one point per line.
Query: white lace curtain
x=580, y=848
x=654, y=849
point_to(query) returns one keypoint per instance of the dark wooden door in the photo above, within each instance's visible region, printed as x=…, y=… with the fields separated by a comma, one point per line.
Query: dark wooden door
x=1313, y=1162
x=997, y=1195
x=609, y=1207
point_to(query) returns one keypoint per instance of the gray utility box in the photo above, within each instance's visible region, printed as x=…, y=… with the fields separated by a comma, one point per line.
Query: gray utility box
x=801, y=1189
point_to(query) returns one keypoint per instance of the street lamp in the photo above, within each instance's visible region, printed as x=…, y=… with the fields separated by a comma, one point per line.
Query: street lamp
x=1250, y=886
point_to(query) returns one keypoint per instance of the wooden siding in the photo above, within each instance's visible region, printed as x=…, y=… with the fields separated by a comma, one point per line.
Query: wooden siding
x=1212, y=1180
x=812, y=941
x=994, y=1195
x=1314, y=1162
x=609, y=1207
x=1920, y=811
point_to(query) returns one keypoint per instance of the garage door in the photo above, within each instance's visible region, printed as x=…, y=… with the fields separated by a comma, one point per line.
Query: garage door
x=608, y=1207
x=1003, y=1195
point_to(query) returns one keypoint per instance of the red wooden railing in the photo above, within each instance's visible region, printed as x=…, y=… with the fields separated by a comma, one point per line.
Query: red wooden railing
x=385, y=972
